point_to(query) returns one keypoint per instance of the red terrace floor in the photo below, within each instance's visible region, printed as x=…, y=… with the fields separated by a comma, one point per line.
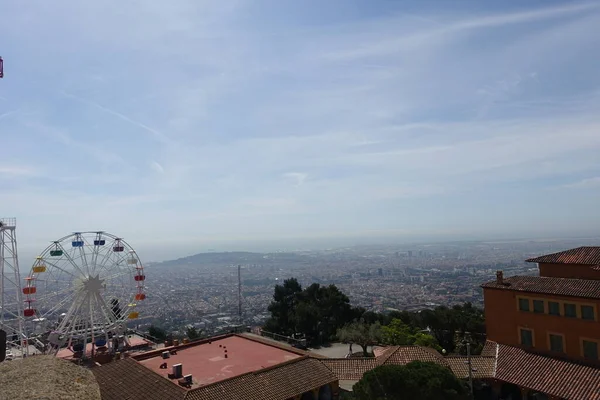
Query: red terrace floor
x=207, y=364
x=134, y=341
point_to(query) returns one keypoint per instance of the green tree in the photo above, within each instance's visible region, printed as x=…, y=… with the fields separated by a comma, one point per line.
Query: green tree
x=322, y=310
x=192, y=333
x=397, y=333
x=283, y=308
x=416, y=380
x=400, y=334
x=157, y=332
x=361, y=333
x=445, y=322
x=317, y=311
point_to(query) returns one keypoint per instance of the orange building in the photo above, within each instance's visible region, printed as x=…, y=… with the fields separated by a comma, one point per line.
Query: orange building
x=579, y=263
x=553, y=320
x=555, y=313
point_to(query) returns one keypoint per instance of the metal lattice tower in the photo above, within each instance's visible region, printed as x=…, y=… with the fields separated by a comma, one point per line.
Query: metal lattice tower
x=11, y=302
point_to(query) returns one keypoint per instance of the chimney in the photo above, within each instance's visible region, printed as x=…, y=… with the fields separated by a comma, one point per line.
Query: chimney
x=499, y=277
x=165, y=354
x=178, y=370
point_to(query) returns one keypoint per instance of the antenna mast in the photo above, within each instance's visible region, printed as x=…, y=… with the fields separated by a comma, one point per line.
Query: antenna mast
x=240, y=293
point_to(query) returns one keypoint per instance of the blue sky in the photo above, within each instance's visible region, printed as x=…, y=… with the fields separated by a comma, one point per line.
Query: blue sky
x=191, y=124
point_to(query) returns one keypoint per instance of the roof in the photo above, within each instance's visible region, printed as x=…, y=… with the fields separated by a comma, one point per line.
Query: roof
x=127, y=380
x=402, y=355
x=549, y=375
x=482, y=366
x=582, y=288
x=276, y=383
x=352, y=369
x=586, y=255
x=222, y=358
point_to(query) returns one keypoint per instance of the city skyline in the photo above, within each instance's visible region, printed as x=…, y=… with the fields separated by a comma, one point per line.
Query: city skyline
x=195, y=125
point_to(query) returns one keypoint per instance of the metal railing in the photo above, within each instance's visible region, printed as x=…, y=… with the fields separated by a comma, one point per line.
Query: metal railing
x=282, y=338
x=8, y=222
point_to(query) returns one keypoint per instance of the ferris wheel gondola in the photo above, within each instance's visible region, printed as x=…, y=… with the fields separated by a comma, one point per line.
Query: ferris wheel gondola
x=85, y=287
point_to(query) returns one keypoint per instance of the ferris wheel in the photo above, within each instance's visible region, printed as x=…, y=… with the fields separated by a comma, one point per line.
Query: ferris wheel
x=83, y=289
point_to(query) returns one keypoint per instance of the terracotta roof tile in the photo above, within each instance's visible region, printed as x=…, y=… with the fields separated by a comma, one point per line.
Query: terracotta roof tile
x=279, y=382
x=128, y=380
x=402, y=355
x=585, y=288
x=587, y=255
x=552, y=376
x=489, y=349
x=350, y=368
x=482, y=366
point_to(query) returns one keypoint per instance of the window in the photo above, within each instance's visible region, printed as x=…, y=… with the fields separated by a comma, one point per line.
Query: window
x=556, y=343
x=526, y=337
x=538, y=306
x=590, y=350
x=570, y=310
x=587, y=312
x=553, y=308
x=524, y=304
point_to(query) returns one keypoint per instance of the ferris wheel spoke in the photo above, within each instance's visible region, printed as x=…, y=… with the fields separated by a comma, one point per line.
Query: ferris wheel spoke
x=117, y=263
x=60, y=269
x=71, y=314
x=106, y=257
x=51, y=295
x=111, y=278
x=96, y=251
x=105, y=310
x=58, y=305
x=70, y=259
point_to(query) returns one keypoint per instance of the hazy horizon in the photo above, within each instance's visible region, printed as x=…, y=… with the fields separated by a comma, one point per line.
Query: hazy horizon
x=194, y=125
x=172, y=251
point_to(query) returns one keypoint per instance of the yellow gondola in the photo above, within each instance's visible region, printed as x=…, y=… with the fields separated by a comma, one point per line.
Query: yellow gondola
x=37, y=269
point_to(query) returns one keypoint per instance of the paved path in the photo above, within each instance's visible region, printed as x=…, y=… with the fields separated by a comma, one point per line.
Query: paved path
x=336, y=350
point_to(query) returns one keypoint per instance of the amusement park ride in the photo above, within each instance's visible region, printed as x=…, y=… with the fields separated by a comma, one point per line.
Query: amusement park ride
x=78, y=296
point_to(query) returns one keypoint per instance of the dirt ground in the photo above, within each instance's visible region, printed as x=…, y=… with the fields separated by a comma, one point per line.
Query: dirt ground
x=46, y=378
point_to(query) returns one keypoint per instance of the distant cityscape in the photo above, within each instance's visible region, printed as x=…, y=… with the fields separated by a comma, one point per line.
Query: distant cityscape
x=202, y=290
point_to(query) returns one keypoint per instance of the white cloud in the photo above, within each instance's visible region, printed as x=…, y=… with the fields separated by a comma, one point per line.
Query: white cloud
x=297, y=178
x=587, y=183
x=157, y=167
x=15, y=171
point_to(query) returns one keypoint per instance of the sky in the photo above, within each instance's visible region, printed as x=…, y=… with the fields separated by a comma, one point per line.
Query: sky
x=243, y=124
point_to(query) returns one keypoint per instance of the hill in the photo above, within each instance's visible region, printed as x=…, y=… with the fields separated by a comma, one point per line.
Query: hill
x=46, y=377
x=234, y=258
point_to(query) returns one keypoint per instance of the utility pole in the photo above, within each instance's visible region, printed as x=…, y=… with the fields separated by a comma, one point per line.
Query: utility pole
x=470, y=368
x=240, y=293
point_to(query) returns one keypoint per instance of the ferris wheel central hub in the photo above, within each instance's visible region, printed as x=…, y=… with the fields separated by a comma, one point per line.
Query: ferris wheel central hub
x=92, y=284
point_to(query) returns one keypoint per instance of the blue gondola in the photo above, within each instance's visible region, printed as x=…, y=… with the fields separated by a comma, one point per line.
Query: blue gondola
x=99, y=242
x=77, y=243
x=118, y=249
